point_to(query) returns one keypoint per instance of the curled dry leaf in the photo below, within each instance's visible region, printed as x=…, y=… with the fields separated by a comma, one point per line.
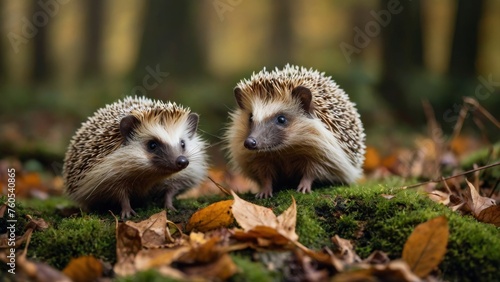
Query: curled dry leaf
x=86, y=268
x=395, y=271
x=152, y=230
x=250, y=216
x=219, y=269
x=128, y=244
x=214, y=216
x=477, y=203
x=346, y=250
x=490, y=215
x=387, y=196
x=426, y=246
x=439, y=197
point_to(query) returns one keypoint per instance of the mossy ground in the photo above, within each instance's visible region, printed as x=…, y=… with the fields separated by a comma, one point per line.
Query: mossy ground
x=357, y=213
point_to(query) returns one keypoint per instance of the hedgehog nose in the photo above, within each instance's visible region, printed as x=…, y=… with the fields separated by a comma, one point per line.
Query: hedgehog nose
x=182, y=162
x=250, y=143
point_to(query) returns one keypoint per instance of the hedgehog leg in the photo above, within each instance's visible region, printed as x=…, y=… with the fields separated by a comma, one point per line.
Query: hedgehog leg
x=127, y=210
x=305, y=184
x=169, y=197
x=267, y=189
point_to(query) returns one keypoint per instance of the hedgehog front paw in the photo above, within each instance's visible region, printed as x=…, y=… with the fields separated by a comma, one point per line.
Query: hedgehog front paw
x=127, y=210
x=264, y=194
x=305, y=185
x=126, y=213
x=267, y=191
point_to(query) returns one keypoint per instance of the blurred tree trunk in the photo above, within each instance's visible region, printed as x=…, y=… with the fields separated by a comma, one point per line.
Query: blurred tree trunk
x=282, y=33
x=465, y=39
x=40, y=70
x=93, y=40
x=402, y=56
x=170, y=42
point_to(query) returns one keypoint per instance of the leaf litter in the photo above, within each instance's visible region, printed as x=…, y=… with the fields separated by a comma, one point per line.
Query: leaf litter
x=202, y=250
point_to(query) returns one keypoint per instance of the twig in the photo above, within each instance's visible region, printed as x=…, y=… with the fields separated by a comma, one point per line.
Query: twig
x=449, y=177
x=224, y=190
x=488, y=115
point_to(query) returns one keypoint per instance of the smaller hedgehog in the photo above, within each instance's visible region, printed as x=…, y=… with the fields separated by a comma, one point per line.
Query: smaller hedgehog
x=131, y=148
x=292, y=127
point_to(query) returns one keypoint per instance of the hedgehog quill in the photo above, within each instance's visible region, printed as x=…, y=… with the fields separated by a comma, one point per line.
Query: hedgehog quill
x=130, y=149
x=294, y=126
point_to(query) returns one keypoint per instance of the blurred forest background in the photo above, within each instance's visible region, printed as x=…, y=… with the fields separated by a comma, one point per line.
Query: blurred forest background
x=60, y=60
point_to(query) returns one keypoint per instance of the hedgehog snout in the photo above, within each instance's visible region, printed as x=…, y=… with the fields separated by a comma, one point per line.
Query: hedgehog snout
x=250, y=143
x=181, y=162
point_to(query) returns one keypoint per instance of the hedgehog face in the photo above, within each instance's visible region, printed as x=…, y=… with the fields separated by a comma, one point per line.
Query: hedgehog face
x=161, y=149
x=274, y=123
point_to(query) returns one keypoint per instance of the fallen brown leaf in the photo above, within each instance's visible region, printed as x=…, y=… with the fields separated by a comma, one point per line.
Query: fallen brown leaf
x=426, y=246
x=346, y=250
x=82, y=269
x=394, y=271
x=249, y=216
x=476, y=202
x=490, y=215
x=152, y=230
x=214, y=216
x=128, y=244
x=439, y=197
x=219, y=269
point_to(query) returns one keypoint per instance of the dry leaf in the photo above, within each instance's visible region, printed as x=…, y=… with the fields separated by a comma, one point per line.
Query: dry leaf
x=152, y=230
x=490, y=215
x=346, y=250
x=426, y=246
x=263, y=236
x=220, y=269
x=249, y=216
x=439, y=197
x=214, y=216
x=155, y=258
x=128, y=244
x=395, y=271
x=82, y=269
x=387, y=196
x=477, y=203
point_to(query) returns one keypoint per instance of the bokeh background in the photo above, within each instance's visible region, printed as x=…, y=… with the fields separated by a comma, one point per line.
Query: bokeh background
x=60, y=60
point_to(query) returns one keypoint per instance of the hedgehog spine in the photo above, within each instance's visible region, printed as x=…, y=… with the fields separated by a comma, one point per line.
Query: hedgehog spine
x=295, y=123
x=130, y=148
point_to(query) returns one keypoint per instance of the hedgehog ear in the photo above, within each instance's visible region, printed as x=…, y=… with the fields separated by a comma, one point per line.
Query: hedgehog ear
x=304, y=95
x=238, y=94
x=127, y=125
x=192, y=122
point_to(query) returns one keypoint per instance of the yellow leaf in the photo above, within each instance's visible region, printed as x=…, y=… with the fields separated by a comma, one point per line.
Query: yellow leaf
x=490, y=215
x=214, y=216
x=86, y=268
x=426, y=246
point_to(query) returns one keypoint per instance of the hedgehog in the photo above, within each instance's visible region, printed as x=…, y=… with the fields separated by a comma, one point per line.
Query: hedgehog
x=131, y=150
x=294, y=126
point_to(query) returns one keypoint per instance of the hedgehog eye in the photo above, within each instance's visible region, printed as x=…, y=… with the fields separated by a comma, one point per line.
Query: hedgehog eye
x=281, y=119
x=183, y=144
x=250, y=119
x=152, y=145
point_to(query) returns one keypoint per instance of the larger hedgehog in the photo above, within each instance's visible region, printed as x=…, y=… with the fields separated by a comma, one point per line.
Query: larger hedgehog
x=130, y=148
x=292, y=127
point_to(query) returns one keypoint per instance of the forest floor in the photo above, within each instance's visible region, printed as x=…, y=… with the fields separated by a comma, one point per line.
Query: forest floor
x=427, y=212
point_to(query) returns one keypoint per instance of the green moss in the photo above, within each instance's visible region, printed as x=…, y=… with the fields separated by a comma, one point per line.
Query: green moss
x=358, y=213
x=74, y=237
